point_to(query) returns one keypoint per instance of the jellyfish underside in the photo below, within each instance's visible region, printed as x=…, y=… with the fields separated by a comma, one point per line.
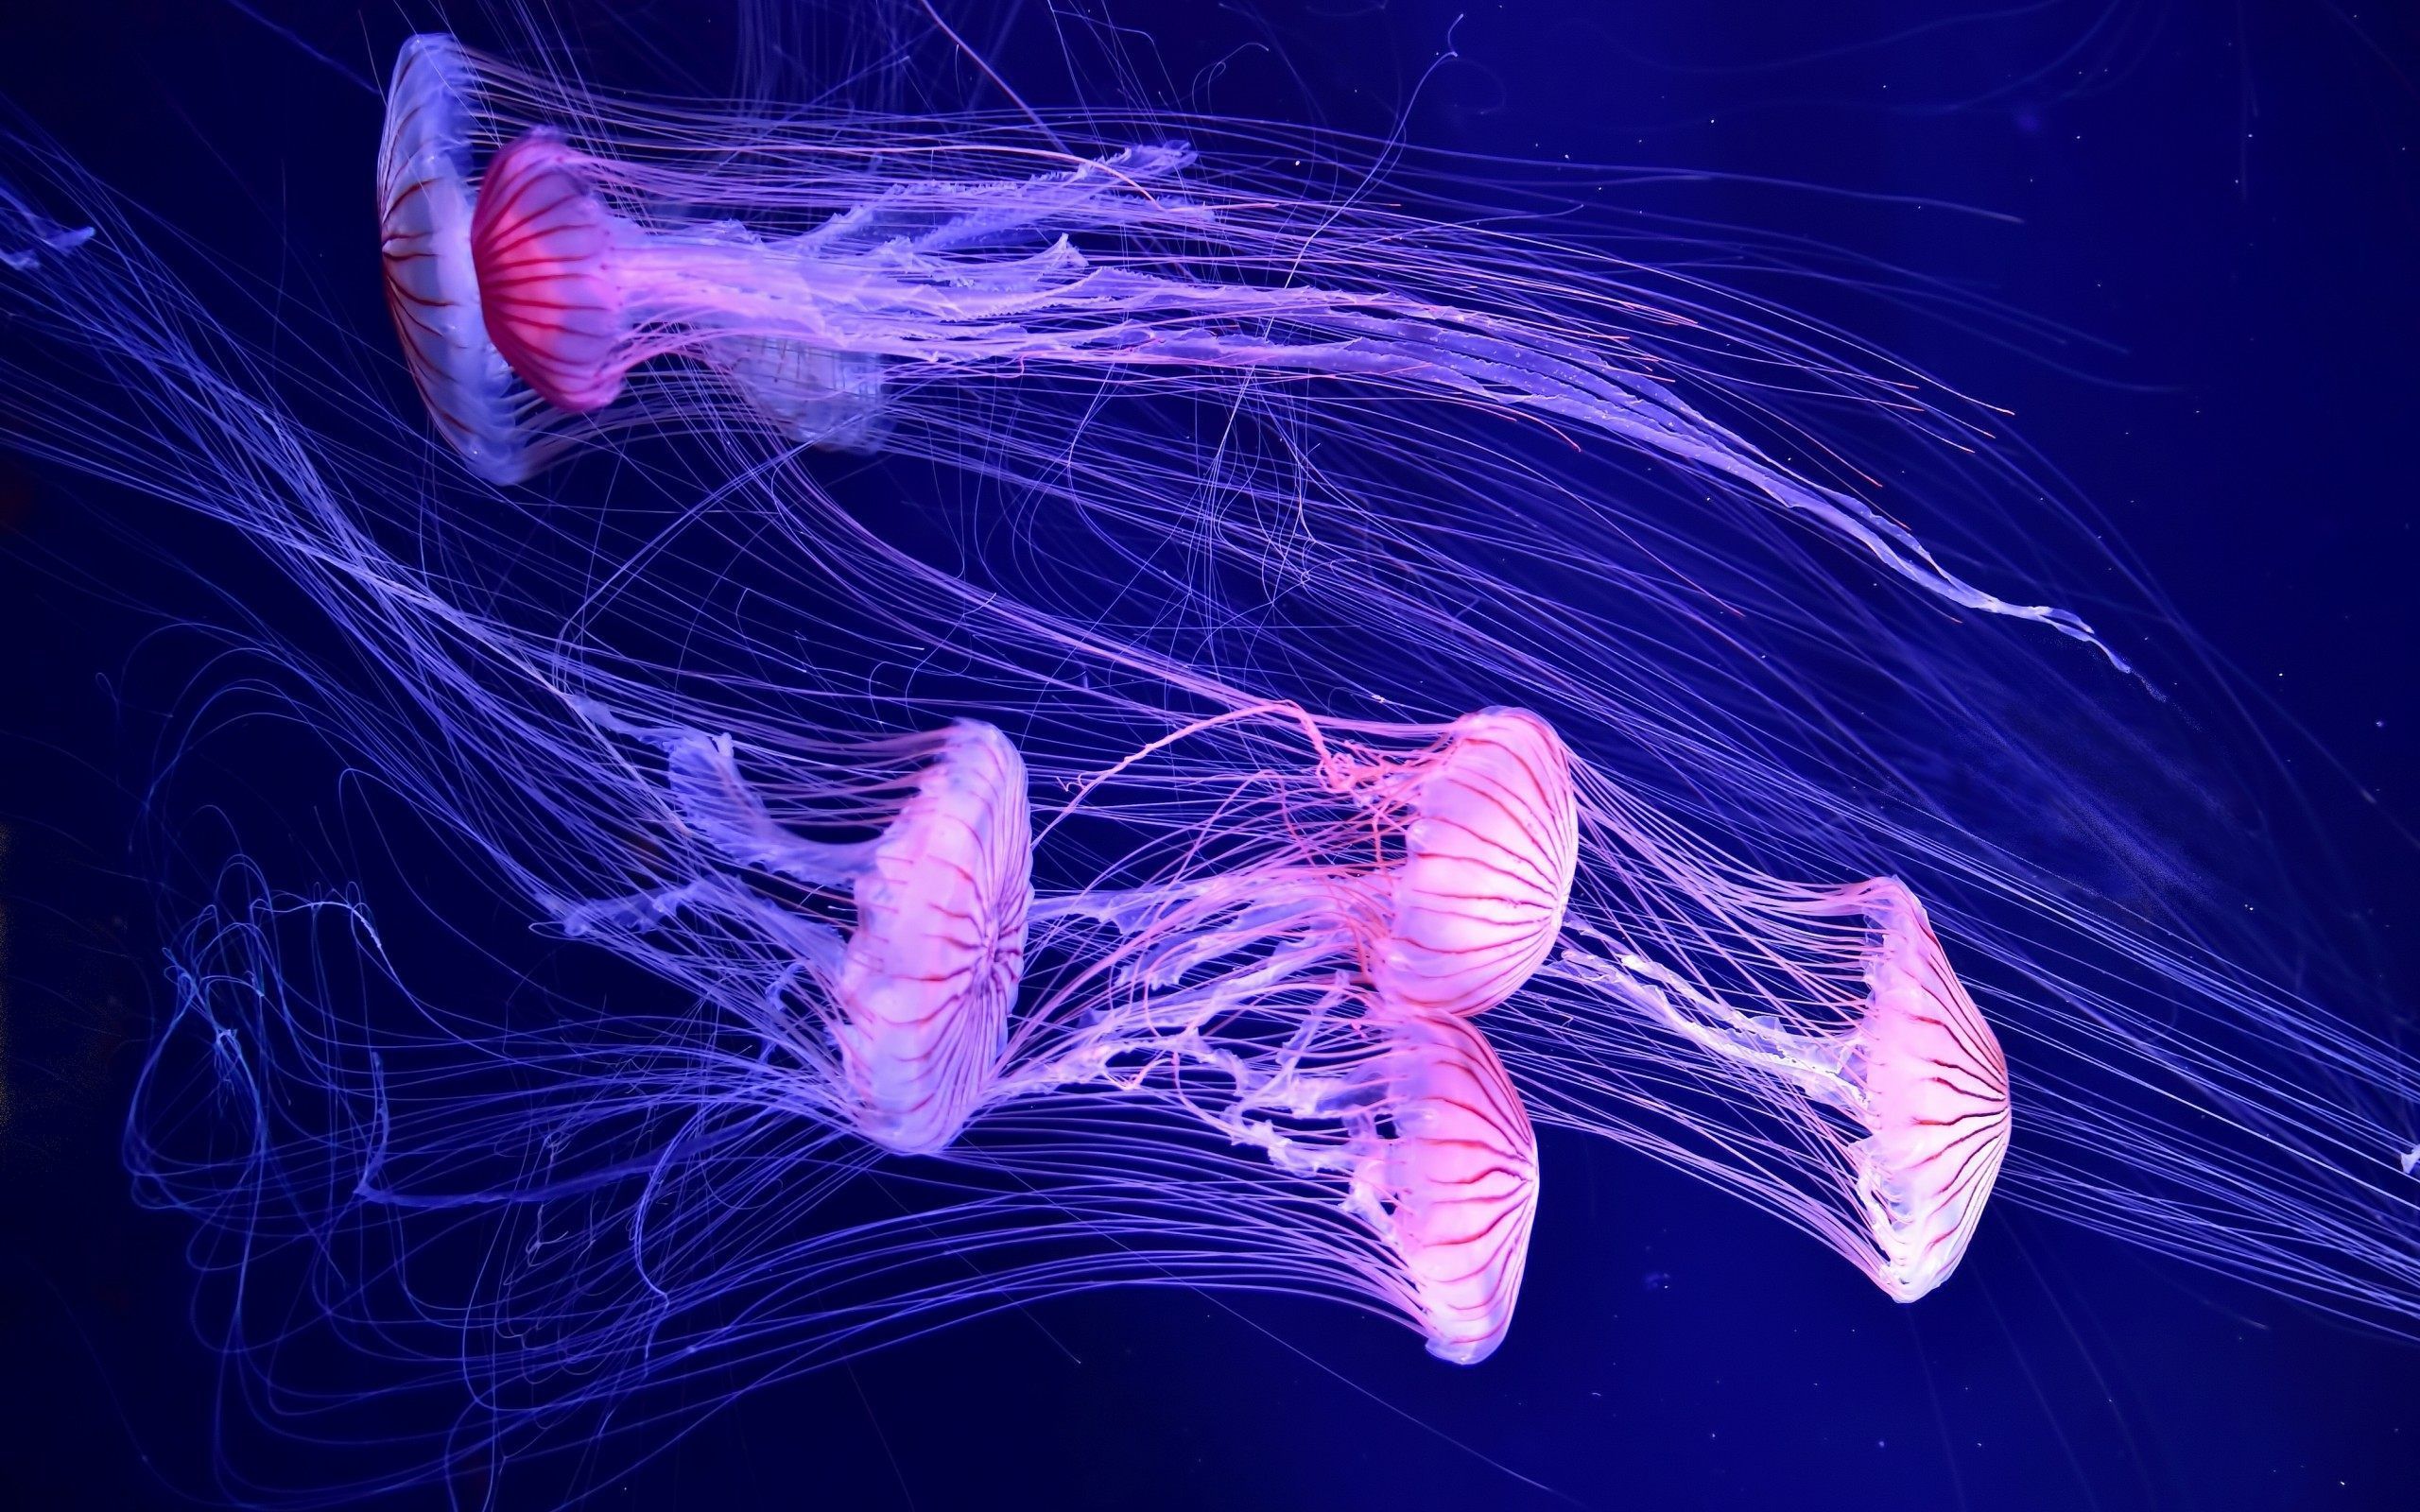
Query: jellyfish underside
x=573, y=297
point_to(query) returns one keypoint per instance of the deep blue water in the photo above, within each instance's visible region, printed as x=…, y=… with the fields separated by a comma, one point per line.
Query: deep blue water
x=2220, y=201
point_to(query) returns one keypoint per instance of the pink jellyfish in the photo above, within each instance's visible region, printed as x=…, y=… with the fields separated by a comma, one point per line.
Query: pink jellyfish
x=931, y=968
x=814, y=278
x=1933, y=1096
x=1440, y=874
x=1895, y=1086
x=1455, y=1189
x=1405, y=1124
x=915, y=998
x=1476, y=901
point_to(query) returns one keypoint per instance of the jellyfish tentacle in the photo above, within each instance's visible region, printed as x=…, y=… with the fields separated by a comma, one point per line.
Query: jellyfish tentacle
x=711, y=797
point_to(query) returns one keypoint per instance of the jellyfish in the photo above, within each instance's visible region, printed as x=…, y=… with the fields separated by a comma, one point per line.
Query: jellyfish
x=820, y=276
x=1441, y=873
x=1476, y=901
x=916, y=995
x=1411, y=1111
x=932, y=967
x=1913, y=1070
x=1455, y=1188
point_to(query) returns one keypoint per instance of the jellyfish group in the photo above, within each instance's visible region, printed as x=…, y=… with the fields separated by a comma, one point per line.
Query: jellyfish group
x=1408, y=699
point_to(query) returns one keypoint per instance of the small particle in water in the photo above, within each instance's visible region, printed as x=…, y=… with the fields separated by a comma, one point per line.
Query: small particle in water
x=1661, y=1281
x=2409, y=1159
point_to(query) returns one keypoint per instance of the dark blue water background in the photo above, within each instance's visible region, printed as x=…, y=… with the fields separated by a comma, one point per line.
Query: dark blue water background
x=2221, y=200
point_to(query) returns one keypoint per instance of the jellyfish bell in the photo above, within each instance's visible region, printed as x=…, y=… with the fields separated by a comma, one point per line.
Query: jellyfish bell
x=1455, y=1188
x=932, y=968
x=1476, y=902
x=1932, y=1093
x=425, y=210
